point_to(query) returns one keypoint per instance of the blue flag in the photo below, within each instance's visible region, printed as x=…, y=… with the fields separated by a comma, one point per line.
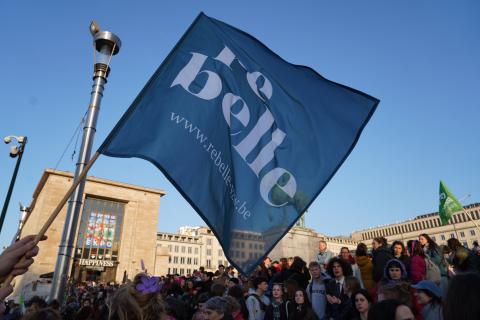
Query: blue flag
x=247, y=138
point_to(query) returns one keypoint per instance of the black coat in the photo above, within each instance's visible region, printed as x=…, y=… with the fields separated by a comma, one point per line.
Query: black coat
x=380, y=258
x=337, y=311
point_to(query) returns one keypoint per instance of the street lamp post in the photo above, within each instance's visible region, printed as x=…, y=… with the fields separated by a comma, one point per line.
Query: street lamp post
x=106, y=44
x=15, y=151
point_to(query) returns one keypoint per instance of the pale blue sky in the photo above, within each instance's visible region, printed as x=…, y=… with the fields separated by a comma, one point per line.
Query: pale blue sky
x=420, y=58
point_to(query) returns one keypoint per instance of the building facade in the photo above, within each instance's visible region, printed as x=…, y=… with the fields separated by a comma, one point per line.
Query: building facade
x=188, y=250
x=195, y=247
x=117, y=228
x=460, y=226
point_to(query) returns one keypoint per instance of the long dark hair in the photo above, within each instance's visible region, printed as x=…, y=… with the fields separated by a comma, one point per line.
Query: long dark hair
x=461, y=302
x=364, y=293
x=432, y=245
x=361, y=250
x=415, y=248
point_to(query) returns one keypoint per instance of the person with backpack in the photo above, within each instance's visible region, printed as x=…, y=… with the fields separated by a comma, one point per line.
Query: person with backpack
x=433, y=259
x=257, y=301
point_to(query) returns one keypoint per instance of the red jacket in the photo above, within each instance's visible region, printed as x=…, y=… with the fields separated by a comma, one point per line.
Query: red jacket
x=418, y=269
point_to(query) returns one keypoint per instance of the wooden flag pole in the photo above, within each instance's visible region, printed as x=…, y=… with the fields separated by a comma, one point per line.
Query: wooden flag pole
x=471, y=219
x=57, y=210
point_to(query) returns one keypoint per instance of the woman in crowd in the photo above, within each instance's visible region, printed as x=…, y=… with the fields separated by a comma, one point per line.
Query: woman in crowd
x=430, y=248
x=400, y=253
x=277, y=309
x=429, y=295
x=463, y=296
x=418, y=268
x=381, y=255
x=138, y=300
x=462, y=259
x=345, y=255
x=298, y=271
x=390, y=310
x=362, y=301
x=365, y=265
x=303, y=309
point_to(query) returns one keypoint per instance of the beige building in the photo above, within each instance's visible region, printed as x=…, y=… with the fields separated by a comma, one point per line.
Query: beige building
x=189, y=249
x=193, y=247
x=117, y=228
x=460, y=227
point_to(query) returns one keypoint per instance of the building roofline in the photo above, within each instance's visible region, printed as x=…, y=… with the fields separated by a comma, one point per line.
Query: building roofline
x=48, y=172
x=416, y=218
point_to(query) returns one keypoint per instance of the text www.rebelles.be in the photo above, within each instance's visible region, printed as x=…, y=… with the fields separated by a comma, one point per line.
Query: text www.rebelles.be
x=215, y=155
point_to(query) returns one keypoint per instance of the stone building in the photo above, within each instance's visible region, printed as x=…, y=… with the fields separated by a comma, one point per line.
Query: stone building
x=117, y=228
x=460, y=227
x=193, y=247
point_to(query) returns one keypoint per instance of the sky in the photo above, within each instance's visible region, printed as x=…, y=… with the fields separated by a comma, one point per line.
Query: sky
x=420, y=58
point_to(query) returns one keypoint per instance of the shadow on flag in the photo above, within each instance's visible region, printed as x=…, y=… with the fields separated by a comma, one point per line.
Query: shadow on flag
x=247, y=138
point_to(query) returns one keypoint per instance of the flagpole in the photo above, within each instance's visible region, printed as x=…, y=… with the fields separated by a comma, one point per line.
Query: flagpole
x=57, y=210
x=471, y=219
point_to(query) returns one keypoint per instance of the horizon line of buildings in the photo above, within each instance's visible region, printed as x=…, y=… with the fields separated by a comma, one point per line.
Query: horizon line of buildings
x=118, y=233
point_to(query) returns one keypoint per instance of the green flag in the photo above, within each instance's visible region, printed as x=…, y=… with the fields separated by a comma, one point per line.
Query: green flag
x=448, y=204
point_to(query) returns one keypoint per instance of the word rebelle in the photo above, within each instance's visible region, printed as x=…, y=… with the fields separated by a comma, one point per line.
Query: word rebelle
x=212, y=89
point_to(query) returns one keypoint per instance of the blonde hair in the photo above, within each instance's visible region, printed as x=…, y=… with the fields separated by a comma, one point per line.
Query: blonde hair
x=130, y=304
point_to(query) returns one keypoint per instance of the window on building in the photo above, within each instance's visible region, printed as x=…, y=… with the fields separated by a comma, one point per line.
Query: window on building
x=168, y=271
x=452, y=235
x=189, y=260
x=209, y=252
x=176, y=248
x=220, y=253
x=196, y=250
x=189, y=249
x=242, y=254
x=209, y=242
x=175, y=259
x=472, y=232
x=462, y=234
x=433, y=238
x=170, y=248
x=220, y=262
x=465, y=244
x=209, y=263
x=169, y=260
x=442, y=237
x=242, y=244
x=182, y=260
x=195, y=261
x=189, y=271
x=174, y=271
x=183, y=249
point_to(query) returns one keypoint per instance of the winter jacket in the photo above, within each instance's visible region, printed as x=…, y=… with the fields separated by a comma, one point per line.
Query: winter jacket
x=418, y=269
x=432, y=312
x=323, y=258
x=380, y=259
x=366, y=269
x=274, y=307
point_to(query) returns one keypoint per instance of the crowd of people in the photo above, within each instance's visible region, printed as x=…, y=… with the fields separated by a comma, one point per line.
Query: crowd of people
x=421, y=280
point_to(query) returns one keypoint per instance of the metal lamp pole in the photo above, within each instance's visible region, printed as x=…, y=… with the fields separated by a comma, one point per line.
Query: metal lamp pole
x=106, y=44
x=14, y=152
